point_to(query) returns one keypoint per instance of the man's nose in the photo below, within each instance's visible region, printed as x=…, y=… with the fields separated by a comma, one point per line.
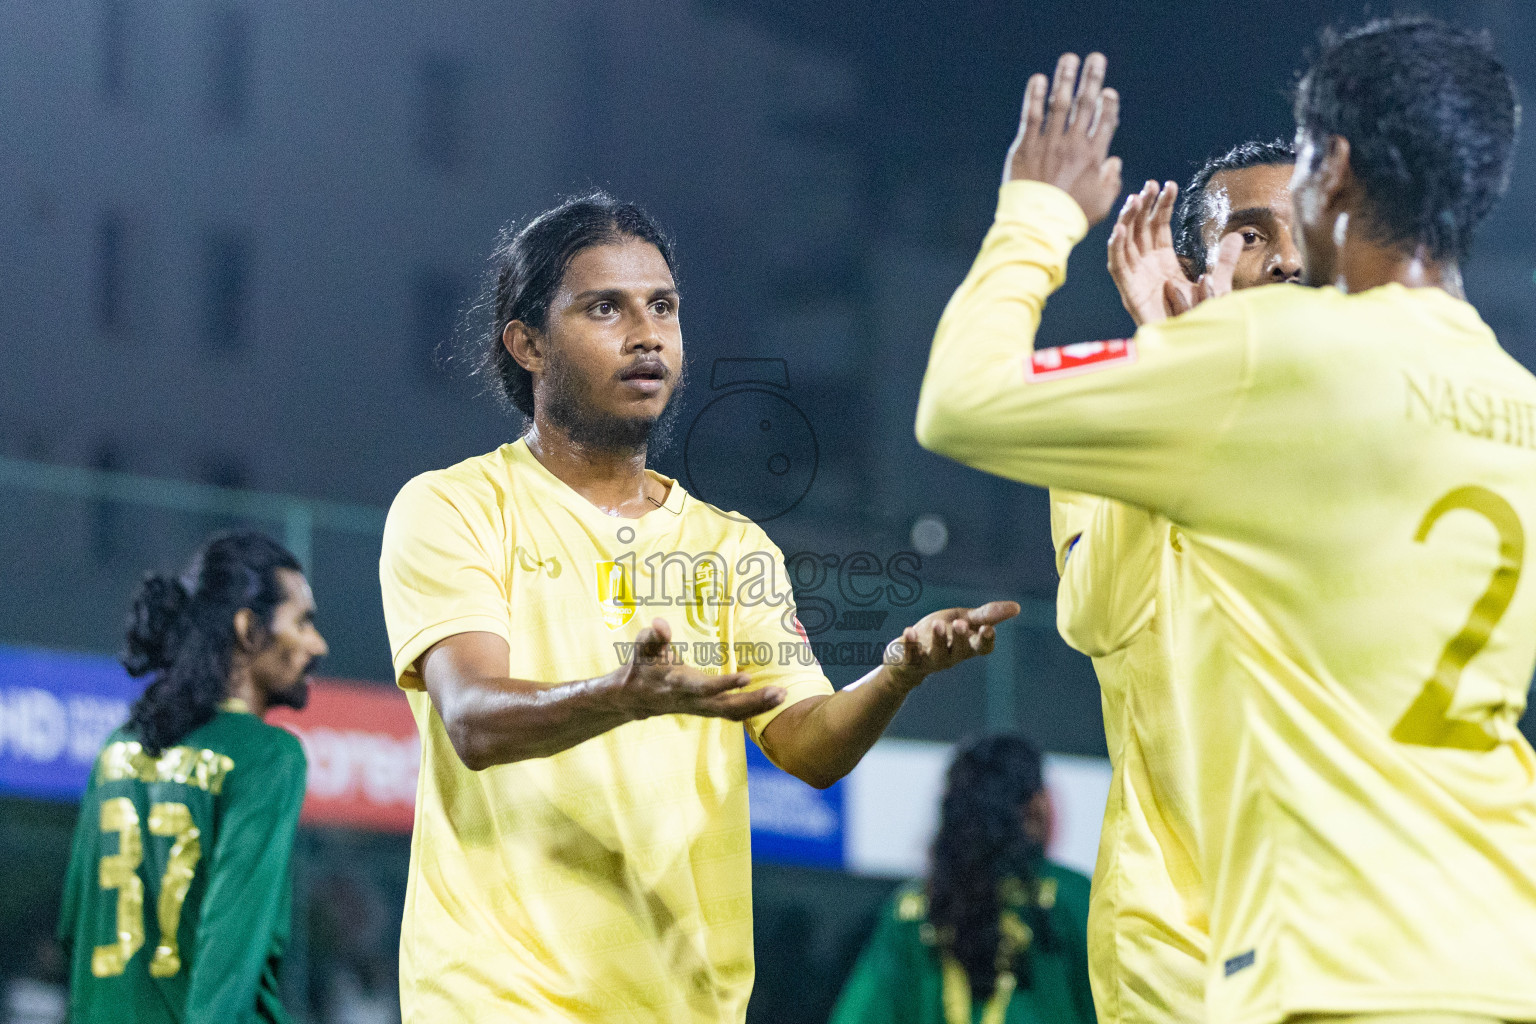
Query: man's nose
x=1285, y=264
x=644, y=338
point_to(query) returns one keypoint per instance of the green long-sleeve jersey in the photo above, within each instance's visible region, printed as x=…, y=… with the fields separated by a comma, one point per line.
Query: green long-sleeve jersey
x=178, y=899
x=902, y=977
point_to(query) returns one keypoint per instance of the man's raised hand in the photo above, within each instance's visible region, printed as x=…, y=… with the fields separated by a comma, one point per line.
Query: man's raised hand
x=655, y=683
x=1142, y=261
x=1064, y=138
x=1216, y=281
x=943, y=639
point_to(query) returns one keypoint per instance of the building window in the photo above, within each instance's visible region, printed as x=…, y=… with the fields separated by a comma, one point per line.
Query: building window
x=440, y=84
x=436, y=301
x=112, y=52
x=111, y=272
x=227, y=268
x=229, y=67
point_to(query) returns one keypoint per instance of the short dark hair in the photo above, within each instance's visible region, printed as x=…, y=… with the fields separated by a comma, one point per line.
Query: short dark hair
x=1189, y=239
x=528, y=265
x=182, y=630
x=1431, y=118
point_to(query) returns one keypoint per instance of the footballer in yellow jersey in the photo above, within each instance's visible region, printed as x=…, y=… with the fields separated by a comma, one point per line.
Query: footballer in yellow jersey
x=1147, y=922
x=1350, y=468
x=585, y=647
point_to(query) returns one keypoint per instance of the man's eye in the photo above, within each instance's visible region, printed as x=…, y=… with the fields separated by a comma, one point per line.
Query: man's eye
x=1252, y=238
x=603, y=308
x=661, y=308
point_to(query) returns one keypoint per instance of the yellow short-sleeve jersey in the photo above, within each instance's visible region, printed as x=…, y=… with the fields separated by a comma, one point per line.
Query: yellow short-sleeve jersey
x=1147, y=925
x=612, y=881
x=1352, y=476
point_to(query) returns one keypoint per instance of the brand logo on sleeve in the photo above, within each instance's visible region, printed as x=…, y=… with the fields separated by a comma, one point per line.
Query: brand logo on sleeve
x=1083, y=357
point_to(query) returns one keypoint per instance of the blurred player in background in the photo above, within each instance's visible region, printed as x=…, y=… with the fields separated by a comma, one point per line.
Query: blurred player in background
x=178, y=898
x=996, y=928
x=1350, y=469
x=581, y=849
x=1148, y=928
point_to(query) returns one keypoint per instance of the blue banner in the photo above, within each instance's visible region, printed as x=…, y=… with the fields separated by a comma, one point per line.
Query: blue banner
x=793, y=823
x=56, y=708
x=55, y=711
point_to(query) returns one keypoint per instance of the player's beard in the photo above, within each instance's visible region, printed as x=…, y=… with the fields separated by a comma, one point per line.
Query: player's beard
x=569, y=407
x=295, y=696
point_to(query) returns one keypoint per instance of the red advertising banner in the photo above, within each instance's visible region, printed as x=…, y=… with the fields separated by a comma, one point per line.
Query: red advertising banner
x=363, y=753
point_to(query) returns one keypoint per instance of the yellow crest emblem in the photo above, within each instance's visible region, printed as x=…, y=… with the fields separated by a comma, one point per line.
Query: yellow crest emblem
x=702, y=606
x=615, y=592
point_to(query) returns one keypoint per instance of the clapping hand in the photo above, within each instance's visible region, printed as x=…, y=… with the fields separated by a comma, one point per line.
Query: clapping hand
x=655, y=683
x=1152, y=283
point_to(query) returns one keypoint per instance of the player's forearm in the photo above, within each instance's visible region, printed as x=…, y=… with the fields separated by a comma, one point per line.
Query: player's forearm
x=820, y=740
x=987, y=331
x=499, y=721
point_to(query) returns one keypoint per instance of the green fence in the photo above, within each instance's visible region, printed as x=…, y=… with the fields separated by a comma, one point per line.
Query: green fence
x=74, y=543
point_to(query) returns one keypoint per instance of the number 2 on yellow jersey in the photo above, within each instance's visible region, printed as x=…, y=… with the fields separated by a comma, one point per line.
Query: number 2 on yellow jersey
x=1427, y=721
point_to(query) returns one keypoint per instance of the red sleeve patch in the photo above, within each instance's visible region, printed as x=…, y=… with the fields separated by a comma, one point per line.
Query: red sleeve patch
x=1083, y=357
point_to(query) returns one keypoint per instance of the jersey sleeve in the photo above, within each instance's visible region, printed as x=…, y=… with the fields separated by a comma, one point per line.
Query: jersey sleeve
x=1108, y=589
x=440, y=573
x=245, y=910
x=767, y=620
x=1133, y=420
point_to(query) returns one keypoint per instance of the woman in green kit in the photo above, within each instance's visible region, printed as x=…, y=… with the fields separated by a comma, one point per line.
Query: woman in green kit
x=997, y=933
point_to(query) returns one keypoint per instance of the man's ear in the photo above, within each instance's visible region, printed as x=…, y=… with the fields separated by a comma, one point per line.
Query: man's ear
x=525, y=345
x=245, y=632
x=1335, y=179
x=1188, y=266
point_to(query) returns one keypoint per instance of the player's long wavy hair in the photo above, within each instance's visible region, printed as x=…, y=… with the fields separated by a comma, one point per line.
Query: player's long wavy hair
x=981, y=849
x=182, y=631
